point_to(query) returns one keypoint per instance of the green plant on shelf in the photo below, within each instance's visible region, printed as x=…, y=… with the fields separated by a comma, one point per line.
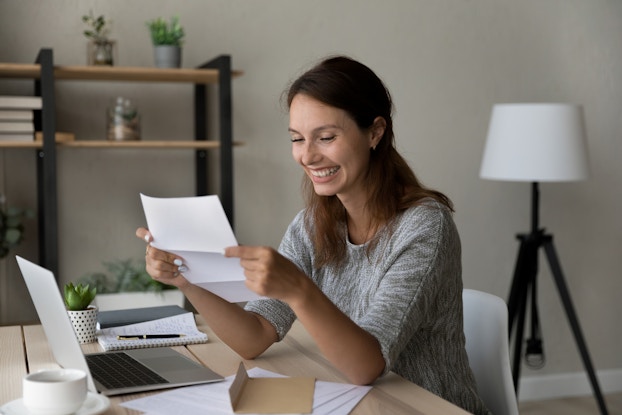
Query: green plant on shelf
x=98, y=27
x=100, y=49
x=124, y=275
x=166, y=33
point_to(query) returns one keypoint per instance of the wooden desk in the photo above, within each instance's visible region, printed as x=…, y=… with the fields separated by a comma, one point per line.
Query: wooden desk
x=24, y=349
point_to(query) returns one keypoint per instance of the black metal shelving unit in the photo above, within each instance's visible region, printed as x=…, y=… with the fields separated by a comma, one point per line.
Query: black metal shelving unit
x=214, y=73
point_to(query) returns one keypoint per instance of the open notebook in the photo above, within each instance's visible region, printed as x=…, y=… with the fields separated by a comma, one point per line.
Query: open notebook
x=182, y=324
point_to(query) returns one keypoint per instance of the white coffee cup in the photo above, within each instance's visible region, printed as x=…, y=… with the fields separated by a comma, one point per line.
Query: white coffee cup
x=54, y=391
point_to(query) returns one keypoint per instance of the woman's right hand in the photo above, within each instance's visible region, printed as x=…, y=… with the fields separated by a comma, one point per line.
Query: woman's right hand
x=247, y=333
x=162, y=266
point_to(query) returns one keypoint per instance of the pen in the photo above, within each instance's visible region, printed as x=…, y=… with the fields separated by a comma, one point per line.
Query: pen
x=148, y=336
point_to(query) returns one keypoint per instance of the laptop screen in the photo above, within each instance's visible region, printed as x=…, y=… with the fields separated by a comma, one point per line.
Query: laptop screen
x=171, y=368
x=53, y=315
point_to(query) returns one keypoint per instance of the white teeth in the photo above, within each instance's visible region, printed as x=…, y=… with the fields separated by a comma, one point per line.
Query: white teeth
x=325, y=173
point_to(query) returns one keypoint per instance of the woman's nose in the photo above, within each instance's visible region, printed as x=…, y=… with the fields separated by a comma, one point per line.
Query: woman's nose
x=309, y=154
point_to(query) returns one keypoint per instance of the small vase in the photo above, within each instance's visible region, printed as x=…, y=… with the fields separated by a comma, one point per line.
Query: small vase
x=84, y=324
x=101, y=52
x=123, y=120
x=167, y=56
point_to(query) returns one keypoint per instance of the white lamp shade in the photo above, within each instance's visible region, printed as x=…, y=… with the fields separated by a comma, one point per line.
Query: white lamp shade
x=536, y=143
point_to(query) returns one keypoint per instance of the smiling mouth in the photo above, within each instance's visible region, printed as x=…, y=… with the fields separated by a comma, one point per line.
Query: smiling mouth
x=325, y=172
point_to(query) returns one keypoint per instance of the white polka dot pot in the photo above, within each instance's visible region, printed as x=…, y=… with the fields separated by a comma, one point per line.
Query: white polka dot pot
x=84, y=324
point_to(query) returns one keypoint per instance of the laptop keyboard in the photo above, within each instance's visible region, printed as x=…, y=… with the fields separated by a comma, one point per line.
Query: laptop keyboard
x=118, y=370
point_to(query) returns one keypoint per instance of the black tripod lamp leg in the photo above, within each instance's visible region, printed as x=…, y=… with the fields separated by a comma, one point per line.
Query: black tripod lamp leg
x=574, y=322
x=515, y=296
x=517, y=305
x=518, y=290
x=518, y=337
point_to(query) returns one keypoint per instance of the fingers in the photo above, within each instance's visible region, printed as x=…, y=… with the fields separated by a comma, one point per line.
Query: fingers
x=144, y=234
x=247, y=252
x=232, y=251
x=167, y=272
x=164, y=261
x=254, y=259
x=160, y=265
x=267, y=272
x=156, y=254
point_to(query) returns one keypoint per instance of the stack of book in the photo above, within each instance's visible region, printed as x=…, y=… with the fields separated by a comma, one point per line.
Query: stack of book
x=17, y=117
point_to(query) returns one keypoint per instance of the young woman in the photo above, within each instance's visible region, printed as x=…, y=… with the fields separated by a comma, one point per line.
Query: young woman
x=371, y=267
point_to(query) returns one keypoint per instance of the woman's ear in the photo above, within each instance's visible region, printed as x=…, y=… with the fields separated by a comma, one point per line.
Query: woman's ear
x=377, y=131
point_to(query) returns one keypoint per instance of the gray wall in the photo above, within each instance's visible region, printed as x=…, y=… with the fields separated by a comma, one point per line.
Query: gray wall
x=446, y=63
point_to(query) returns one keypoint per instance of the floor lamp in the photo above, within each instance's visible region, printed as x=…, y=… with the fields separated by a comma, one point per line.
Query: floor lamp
x=537, y=143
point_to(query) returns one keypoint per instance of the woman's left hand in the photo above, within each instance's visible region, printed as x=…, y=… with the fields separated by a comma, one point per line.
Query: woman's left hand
x=269, y=273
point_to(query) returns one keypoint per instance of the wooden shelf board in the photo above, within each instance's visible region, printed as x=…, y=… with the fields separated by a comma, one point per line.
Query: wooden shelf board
x=115, y=73
x=147, y=144
x=20, y=144
x=20, y=70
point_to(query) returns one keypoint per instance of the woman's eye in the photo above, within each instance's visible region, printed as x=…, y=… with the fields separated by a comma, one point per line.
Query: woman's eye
x=332, y=137
x=296, y=139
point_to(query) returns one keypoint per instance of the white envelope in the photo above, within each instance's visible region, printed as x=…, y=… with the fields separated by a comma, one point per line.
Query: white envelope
x=197, y=229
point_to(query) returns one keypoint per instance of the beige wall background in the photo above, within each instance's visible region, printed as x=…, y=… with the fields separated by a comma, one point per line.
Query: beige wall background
x=446, y=63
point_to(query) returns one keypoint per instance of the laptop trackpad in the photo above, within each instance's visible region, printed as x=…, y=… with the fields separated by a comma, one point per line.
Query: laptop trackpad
x=167, y=364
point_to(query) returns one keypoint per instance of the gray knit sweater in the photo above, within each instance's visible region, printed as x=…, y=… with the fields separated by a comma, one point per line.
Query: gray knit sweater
x=407, y=293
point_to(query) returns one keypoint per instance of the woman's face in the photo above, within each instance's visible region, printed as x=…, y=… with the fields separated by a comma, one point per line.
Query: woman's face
x=333, y=151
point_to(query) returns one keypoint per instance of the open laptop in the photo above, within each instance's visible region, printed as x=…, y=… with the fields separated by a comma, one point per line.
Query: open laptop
x=143, y=369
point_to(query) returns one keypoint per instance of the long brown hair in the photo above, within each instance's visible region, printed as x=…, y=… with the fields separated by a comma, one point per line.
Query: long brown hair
x=344, y=83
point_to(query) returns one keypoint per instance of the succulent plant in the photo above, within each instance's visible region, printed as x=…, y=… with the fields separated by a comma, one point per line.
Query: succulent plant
x=78, y=297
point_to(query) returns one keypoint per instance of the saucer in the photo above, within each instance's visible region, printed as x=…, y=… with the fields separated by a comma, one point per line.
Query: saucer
x=93, y=405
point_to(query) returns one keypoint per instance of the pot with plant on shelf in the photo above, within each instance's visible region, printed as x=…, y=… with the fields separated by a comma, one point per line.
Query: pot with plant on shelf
x=82, y=314
x=100, y=49
x=167, y=39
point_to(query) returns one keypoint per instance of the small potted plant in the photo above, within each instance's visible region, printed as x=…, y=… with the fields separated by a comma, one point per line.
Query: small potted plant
x=99, y=48
x=83, y=316
x=167, y=39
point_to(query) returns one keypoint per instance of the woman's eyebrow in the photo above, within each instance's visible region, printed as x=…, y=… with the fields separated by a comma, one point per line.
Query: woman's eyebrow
x=317, y=129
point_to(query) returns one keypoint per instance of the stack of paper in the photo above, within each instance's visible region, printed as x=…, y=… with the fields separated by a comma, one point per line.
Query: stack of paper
x=183, y=326
x=329, y=398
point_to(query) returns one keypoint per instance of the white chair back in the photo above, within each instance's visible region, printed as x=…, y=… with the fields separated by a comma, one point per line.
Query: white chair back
x=486, y=332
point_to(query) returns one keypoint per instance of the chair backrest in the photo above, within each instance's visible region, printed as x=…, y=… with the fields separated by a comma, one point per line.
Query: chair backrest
x=486, y=332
